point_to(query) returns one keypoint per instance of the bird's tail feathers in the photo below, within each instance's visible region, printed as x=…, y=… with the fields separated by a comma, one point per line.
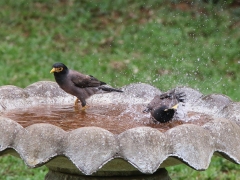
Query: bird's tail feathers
x=102, y=83
x=181, y=97
x=108, y=89
x=93, y=78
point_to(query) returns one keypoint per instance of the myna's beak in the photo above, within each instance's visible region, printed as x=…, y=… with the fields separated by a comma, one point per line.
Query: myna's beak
x=53, y=70
x=174, y=107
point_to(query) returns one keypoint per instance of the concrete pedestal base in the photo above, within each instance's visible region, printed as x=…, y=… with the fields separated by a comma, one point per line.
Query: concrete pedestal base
x=161, y=174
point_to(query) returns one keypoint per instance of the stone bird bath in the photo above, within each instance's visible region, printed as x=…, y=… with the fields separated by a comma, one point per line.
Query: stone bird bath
x=113, y=139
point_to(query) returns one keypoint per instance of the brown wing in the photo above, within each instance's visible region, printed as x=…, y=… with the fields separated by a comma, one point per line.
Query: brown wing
x=155, y=102
x=82, y=80
x=169, y=94
x=179, y=96
x=168, y=99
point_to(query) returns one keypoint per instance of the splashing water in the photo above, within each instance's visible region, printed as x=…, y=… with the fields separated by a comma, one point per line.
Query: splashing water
x=115, y=118
x=118, y=112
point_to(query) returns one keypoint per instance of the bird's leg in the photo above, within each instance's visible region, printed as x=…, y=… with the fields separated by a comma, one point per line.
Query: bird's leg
x=84, y=104
x=76, y=109
x=76, y=102
x=84, y=108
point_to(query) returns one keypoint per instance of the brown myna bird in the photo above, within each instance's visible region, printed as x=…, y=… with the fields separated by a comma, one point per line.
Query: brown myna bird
x=164, y=106
x=80, y=85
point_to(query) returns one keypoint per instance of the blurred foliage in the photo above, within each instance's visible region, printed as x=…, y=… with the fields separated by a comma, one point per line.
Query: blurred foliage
x=12, y=168
x=121, y=39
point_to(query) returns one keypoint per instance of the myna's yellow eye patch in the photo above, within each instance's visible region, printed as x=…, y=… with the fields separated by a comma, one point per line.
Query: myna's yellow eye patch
x=59, y=69
x=56, y=69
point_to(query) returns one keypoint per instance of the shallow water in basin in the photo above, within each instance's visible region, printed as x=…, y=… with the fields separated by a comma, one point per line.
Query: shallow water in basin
x=115, y=119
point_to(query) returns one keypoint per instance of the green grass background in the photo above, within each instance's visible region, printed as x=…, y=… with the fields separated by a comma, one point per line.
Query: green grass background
x=162, y=43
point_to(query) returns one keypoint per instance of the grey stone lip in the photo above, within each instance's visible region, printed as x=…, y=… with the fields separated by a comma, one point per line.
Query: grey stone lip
x=145, y=149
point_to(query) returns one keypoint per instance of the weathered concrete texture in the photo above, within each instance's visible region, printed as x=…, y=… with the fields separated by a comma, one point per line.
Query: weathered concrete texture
x=43, y=92
x=143, y=147
x=194, y=140
x=137, y=91
x=96, y=151
x=12, y=96
x=232, y=112
x=45, y=89
x=42, y=142
x=90, y=147
x=133, y=94
x=225, y=135
x=10, y=133
x=47, y=92
x=217, y=101
x=211, y=104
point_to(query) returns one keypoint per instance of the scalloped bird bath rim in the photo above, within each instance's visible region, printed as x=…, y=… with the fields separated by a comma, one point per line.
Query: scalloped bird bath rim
x=98, y=152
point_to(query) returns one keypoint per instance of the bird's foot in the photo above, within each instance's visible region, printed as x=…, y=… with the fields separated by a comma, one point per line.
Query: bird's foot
x=85, y=107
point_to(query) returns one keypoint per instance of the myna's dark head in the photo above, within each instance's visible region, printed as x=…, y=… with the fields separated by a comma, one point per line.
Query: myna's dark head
x=59, y=68
x=163, y=114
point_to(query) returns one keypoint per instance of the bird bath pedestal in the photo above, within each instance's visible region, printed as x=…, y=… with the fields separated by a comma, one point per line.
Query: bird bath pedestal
x=113, y=139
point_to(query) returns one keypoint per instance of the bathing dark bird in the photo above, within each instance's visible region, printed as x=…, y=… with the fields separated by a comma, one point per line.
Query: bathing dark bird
x=80, y=85
x=164, y=106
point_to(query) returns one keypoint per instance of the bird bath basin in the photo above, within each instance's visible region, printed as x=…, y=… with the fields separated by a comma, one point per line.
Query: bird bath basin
x=113, y=137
